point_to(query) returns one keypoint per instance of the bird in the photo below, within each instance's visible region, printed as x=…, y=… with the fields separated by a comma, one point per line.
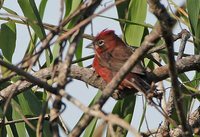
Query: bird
x=110, y=55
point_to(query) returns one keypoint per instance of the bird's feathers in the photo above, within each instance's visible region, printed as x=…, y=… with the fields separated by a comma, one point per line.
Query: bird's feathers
x=111, y=56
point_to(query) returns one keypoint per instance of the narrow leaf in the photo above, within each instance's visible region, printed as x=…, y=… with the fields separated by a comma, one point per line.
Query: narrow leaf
x=8, y=39
x=91, y=127
x=30, y=11
x=78, y=53
x=20, y=127
x=71, y=6
x=42, y=7
x=136, y=13
x=193, y=7
x=31, y=109
x=122, y=10
x=9, y=11
x=143, y=115
x=124, y=109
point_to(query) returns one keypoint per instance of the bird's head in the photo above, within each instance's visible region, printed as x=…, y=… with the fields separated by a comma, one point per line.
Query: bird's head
x=104, y=40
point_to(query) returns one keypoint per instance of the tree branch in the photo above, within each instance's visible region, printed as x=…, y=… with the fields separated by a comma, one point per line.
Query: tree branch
x=167, y=24
x=139, y=53
x=90, y=77
x=194, y=122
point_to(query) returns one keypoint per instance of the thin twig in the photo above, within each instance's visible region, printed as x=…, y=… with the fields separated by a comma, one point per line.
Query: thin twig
x=49, y=37
x=184, y=37
x=111, y=130
x=62, y=75
x=29, y=77
x=55, y=112
x=19, y=111
x=167, y=24
x=86, y=21
x=41, y=119
x=114, y=119
x=170, y=104
x=46, y=26
x=86, y=75
x=109, y=89
x=22, y=120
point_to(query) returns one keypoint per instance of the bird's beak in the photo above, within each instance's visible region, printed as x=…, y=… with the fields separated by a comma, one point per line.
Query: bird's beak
x=90, y=46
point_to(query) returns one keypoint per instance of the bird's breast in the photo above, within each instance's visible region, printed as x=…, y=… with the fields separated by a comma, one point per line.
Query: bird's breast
x=102, y=71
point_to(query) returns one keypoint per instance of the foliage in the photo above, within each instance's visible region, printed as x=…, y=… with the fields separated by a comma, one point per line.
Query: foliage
x=132, y=17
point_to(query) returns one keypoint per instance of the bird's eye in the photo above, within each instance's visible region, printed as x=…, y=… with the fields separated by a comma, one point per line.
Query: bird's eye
x=100, y=43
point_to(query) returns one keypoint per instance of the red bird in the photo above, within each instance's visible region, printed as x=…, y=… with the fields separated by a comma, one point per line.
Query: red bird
x=110, y=55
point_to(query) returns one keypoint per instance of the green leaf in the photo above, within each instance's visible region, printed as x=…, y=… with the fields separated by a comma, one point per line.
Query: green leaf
x=9, y=11
x=31, y=46
x=8, y=39
x=71, y=6
x=91, y=127
x=128, y=22
x=32, y=43
x=26, y=100
x=30, y=11
x=56, y=51
x=143, y=115
x=12, y=127
x=68, y=7
x=97, y=96
x=49, y=57
x=187, y=100
x=20, y=127
x=190, y=85
x=184, y=78
x=1, y=3
x=122, y=10
x=5, y=129
x=31, y=109
x=9, y=131
x=124, y=109
x=42, y=7
x=193, y=7
x=192, y=89
x=149, y=63
x=137, y=11
x=78, y=53
x=196, y=79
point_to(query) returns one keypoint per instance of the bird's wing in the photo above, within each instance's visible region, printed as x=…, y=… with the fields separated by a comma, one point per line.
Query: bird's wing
x=116, y=58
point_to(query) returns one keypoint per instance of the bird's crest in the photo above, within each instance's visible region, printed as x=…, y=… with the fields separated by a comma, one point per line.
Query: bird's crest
x=103, y=33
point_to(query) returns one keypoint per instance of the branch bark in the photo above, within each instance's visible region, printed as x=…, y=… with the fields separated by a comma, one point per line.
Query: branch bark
x=90, y=77
x=194, y=122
